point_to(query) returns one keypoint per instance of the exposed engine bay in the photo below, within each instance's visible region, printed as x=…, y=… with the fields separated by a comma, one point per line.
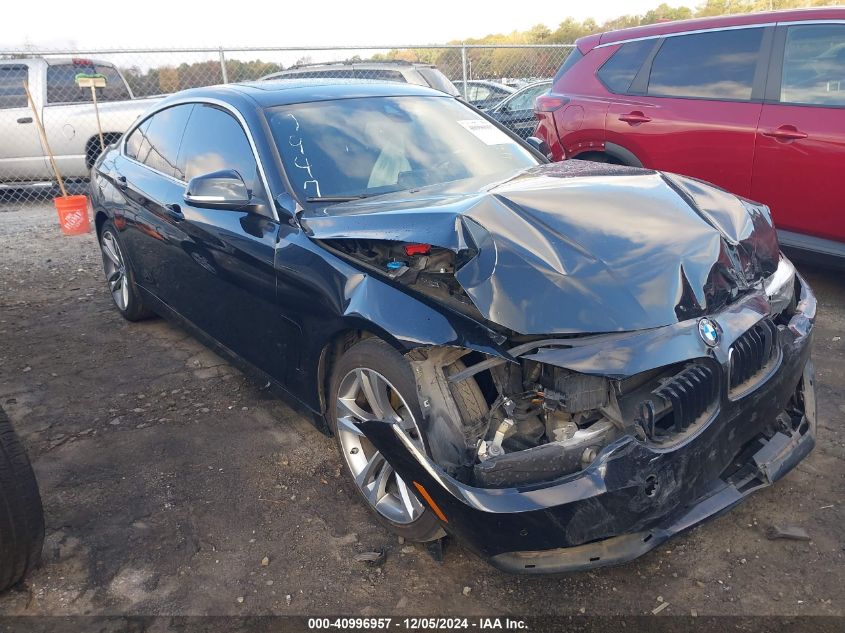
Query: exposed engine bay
x=526, y=422
x=430, y=270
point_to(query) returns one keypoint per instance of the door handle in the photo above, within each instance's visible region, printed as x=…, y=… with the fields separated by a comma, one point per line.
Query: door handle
x=634, y=118
x=786, y=133
x=25, y=119
x=175, y=212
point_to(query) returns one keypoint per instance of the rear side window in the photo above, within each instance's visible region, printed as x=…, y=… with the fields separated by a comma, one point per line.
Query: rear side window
x=715, y=65
x=619, y=71
x=62, y=87
x=214, y=140
x=161, y=138
x=12, y=94
x=134, y=140
x=814, y=65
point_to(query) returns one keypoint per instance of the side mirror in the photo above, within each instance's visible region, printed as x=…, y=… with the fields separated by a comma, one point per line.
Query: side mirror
x=219, y=190
x=540, y=145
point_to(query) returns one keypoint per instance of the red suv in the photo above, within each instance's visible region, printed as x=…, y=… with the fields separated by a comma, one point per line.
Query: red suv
x=753, y=103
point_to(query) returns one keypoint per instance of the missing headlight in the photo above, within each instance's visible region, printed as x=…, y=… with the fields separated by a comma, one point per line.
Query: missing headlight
x=780, y=286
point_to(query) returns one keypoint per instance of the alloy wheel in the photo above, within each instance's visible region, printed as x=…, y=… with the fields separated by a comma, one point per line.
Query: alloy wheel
x=365, y=394
x=115, y=268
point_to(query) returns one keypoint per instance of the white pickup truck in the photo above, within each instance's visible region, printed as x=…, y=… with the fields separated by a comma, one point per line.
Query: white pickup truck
x=67, y=112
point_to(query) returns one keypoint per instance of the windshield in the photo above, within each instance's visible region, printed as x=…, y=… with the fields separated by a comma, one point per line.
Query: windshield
x=361, y=147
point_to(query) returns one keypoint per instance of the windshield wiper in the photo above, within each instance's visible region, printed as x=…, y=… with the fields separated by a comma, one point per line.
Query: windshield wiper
x=334, y=198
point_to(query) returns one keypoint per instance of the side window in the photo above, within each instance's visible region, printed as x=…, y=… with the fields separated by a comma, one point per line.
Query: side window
x=136, y=139
x=714, y=65
x=379, y=74
x=482, y=93
x=814, y=65
x=159, y=147
x=526, y=100
x=12, y=94
x=331, y=73
x=214, y=140
x=61, y=84
x=619, y=71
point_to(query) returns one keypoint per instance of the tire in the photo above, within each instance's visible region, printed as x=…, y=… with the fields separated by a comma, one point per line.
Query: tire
x=120, y=276
x=376, y=359
x=21, y=515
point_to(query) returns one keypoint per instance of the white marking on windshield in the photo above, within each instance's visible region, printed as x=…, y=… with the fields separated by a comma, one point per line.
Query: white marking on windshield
x=301, y=161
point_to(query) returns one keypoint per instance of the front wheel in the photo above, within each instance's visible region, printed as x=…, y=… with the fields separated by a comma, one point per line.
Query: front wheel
x=372, y=381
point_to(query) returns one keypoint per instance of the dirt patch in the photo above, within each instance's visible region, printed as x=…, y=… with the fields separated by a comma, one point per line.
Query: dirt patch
x=167, y=477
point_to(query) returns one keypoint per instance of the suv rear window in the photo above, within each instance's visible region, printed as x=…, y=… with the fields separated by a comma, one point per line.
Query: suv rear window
x=619, y=71
x=715, y=65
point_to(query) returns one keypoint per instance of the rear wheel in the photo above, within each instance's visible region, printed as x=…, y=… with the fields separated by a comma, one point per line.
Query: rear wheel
x=120, y=277
x=372, y=381
x=21, y=516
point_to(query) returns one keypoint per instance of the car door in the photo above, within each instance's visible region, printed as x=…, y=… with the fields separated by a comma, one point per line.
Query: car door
x=21, y=154
x=225, y=261
x=693, y=108
x=800, y=154
x=147, y=177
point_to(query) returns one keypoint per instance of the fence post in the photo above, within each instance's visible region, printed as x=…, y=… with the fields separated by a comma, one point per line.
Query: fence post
x=223, y=66
x=464, y=66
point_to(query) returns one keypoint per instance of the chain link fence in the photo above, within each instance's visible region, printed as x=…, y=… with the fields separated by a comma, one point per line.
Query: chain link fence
x=64, y=84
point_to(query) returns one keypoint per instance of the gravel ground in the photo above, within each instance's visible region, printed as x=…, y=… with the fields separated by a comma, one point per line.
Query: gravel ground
x=169, y=479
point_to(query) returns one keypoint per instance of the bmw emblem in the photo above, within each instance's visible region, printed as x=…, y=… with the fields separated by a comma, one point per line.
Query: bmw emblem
x=709, y=332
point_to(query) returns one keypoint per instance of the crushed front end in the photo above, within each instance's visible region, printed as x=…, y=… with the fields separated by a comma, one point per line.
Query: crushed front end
x=599, y=448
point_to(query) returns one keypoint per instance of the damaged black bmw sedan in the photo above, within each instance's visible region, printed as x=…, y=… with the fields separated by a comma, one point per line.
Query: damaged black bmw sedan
x=562, y=365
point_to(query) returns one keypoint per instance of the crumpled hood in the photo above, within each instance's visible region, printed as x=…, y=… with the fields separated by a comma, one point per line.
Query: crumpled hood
x=579, y=247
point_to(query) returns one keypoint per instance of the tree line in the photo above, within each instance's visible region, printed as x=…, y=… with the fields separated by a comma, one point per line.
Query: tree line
x=483, y=63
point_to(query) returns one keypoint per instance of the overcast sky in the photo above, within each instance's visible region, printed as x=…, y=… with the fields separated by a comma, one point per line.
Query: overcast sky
x=162, y=23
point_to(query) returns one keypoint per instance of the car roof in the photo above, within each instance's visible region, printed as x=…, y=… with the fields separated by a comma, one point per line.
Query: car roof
x=277, y=92
x=388, y=64
x=385, y=63
x=700, y=24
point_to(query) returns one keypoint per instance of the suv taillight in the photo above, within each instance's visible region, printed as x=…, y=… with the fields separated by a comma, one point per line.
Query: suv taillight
x=549, y=103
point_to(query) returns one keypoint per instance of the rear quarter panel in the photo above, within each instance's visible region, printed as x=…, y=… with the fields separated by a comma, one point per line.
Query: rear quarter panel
x=578, y=127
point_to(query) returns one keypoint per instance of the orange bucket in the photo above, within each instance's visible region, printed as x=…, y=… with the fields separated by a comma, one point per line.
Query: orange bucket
x=73, y=214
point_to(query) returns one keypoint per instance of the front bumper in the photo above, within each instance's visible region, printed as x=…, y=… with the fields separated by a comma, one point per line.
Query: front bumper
x=634, y=496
